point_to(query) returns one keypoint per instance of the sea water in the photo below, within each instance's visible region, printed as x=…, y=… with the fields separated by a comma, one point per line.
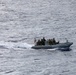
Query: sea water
x=23, y=20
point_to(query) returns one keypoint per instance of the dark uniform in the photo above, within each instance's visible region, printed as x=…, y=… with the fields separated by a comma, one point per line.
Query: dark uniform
x=43, y=41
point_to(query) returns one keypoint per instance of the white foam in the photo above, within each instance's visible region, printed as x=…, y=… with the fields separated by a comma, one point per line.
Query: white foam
x=23, y=45
x=15, y=45
x=6, y=44
x=52, y=49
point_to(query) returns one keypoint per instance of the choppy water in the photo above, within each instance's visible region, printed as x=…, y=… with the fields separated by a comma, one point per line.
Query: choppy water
x=23, y=20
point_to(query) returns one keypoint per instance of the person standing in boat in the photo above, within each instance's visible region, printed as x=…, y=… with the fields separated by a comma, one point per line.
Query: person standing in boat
x=43, y=41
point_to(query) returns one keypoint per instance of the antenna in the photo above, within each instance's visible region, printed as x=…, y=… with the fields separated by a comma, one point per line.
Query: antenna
x=66, y=39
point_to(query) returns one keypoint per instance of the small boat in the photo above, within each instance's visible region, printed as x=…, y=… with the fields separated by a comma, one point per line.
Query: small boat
x=60, y=45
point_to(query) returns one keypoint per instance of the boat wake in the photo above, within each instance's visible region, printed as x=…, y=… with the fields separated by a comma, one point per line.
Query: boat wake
x=64, y=49
x=8, y=45
x=23, y=45
x=52, y=49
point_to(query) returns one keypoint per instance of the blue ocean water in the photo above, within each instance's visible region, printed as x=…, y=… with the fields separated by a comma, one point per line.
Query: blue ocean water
x=23, y=20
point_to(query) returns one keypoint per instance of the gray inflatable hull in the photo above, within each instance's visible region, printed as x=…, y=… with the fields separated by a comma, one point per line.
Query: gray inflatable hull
x=60, y=45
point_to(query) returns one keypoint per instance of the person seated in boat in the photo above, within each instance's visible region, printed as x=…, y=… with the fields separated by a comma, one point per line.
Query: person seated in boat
x=43, y=41
x=54, y=42
x=57, y=42
x=35, y=41
x=49, y=42
x=38, y=42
